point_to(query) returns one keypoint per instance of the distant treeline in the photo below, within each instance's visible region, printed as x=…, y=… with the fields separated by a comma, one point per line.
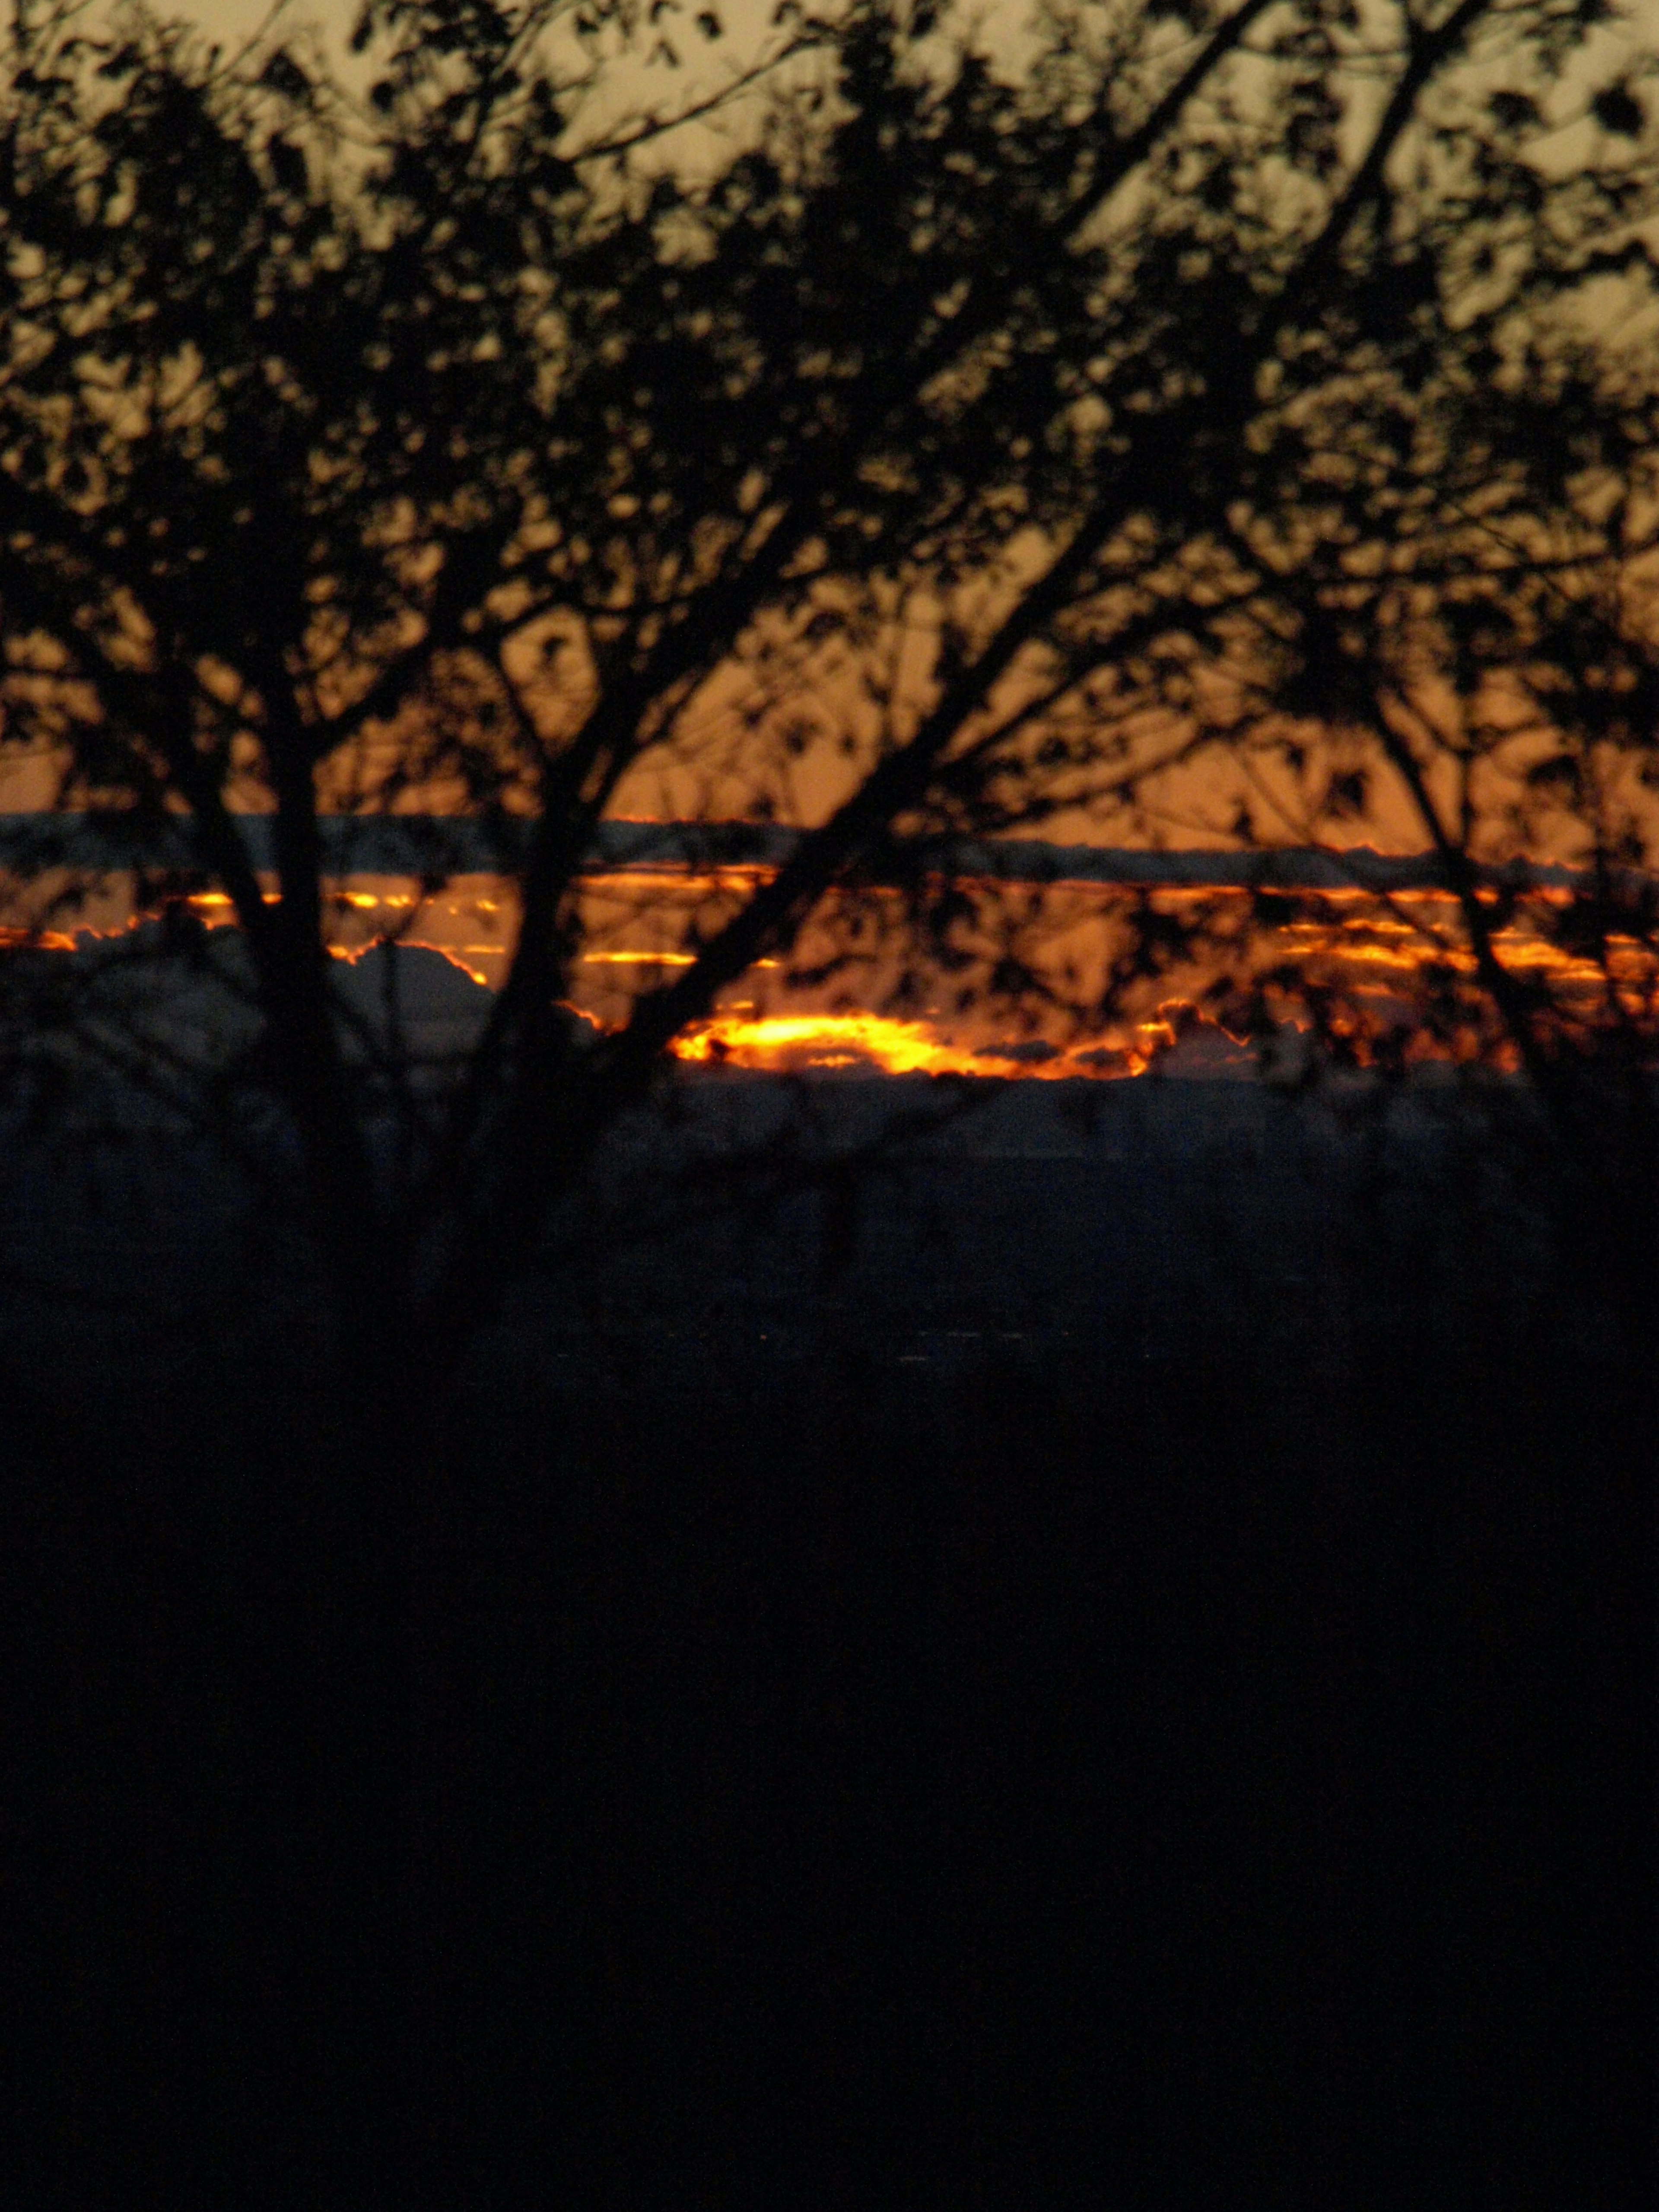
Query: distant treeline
x=416, y=844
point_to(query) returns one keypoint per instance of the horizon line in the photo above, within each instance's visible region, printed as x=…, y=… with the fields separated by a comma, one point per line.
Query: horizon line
x=415, y=844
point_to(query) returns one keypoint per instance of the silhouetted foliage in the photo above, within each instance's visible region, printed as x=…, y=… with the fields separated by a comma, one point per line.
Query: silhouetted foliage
x=984, y=432
x=1146, y=424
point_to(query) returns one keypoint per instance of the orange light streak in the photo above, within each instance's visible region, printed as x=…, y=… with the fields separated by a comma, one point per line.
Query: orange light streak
x=639, y=959
x=1369, y=951
x=793, y=1043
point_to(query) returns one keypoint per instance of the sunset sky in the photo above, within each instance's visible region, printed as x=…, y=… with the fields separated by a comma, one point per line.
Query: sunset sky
x=640, y=927
x=712, y=770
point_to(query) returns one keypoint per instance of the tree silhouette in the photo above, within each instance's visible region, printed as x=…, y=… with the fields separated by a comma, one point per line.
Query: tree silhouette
x=428, y=451
x=916, y=440
x=1441, y=634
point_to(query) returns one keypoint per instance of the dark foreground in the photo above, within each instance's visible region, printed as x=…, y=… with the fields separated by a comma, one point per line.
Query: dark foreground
x=1120, y=1677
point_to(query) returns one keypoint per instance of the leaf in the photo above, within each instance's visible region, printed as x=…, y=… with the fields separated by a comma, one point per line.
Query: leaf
x=1514, y=111
x=282, y=74
x=1558, y=773
x=1618, y=110
x=1348, y=793
x=288, y=165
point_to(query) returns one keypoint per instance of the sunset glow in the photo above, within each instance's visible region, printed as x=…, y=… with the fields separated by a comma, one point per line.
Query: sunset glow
x=641, y=929
x=784, y=1044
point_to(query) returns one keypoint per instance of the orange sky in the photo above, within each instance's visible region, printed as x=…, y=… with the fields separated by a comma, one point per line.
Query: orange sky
x=637, y=924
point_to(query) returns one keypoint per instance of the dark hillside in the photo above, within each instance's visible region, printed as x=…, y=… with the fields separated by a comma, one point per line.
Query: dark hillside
x=1104, y=1677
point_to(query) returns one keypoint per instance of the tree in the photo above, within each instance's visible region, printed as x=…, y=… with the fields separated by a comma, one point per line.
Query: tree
x=546, y=459
x=985, y=437
x=1441, y=635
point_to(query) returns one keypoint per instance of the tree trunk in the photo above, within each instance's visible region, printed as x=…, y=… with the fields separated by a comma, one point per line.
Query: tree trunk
x=335, y=1715
x=1626, y=1754
x=1609, y=1673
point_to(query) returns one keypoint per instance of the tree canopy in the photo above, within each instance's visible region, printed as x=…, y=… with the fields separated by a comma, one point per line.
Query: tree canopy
x=1147, y=421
